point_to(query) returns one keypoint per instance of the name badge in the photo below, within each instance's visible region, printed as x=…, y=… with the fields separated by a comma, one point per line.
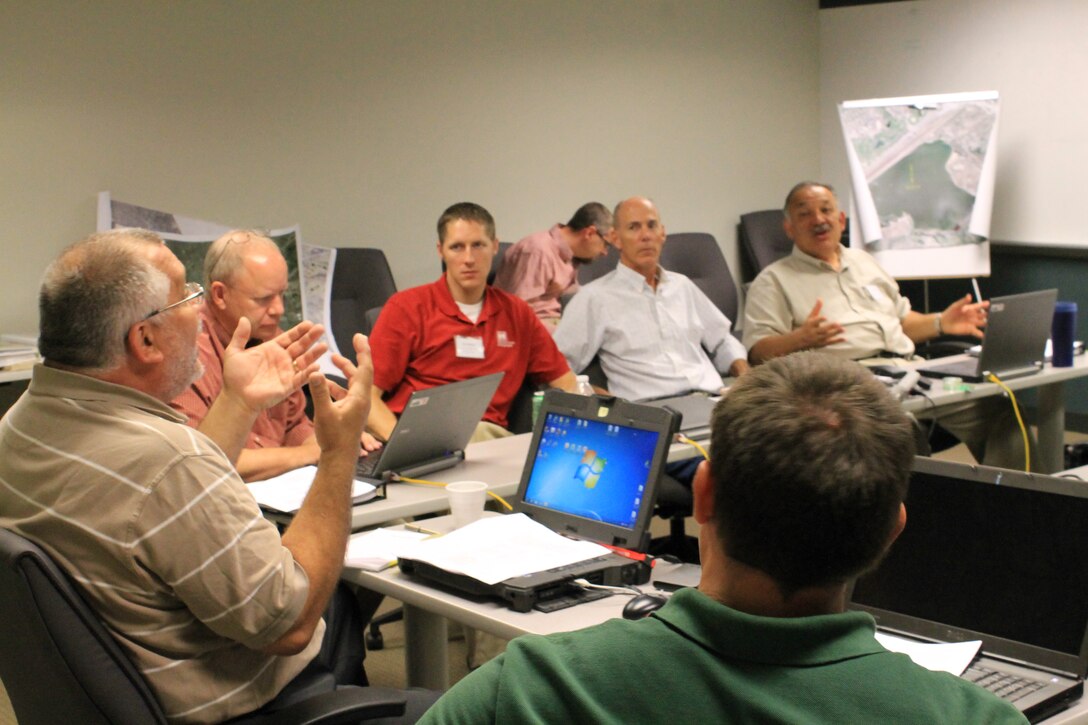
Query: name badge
x=469, y=347
x=875, y=294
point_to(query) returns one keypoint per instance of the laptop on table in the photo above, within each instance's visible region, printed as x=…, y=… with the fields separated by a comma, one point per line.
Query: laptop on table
x=998, y=556
x=432, y=432
x=591, y=473
x=1016, y=333
x=695, y=409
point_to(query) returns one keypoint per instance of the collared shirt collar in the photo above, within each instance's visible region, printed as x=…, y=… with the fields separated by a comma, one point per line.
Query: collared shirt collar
x=220, y=335
x=811, y=261
x=565, y=252
x=634, y=279
x=448, y=306
x=798, y=641
x=56, y=382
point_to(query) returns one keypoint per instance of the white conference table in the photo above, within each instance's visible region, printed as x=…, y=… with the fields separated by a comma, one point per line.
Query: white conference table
x=1050, y=415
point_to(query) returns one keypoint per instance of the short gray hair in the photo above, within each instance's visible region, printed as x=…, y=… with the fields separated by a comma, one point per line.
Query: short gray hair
x=801, y=186
x=592, y=214
x=93, y=293
x=226, y=255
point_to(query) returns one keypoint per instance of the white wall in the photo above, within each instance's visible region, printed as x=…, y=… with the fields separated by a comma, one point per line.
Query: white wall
x=1033, y=53
x=363, y=120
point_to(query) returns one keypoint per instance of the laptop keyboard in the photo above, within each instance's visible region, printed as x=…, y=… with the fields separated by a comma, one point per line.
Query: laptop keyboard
x=1006, y=686
x=366, y=466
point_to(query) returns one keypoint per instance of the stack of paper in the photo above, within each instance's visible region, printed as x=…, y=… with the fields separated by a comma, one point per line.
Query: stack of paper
x=378, y=549
x=285, y=493
x=496, y=548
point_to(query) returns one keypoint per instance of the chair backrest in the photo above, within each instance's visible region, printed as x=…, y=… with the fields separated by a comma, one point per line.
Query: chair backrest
x=696, y=255
x=763, y=240
x=599, y=267
x=361, y=280
x=58, y=662
x=496, y=261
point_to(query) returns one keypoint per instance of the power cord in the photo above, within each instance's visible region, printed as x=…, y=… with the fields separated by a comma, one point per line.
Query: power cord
x=684, y=439
x=1019, y=419
x=629, y=590
x=425, y=482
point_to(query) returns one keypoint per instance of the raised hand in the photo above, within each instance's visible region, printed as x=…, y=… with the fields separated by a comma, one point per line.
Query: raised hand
x=338, y=425
x=264, y=375
x=963, y=317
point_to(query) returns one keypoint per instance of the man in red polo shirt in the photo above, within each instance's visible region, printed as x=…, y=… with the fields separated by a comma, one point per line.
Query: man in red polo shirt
x=458, y=328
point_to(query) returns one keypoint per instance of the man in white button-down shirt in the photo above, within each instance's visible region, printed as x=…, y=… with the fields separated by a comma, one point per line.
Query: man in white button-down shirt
x=655, y=332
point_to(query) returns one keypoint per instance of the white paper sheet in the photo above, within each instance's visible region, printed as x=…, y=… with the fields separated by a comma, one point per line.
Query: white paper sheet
x=500, y=547
x=376, y=550
x=286, y=492
x=950, y=657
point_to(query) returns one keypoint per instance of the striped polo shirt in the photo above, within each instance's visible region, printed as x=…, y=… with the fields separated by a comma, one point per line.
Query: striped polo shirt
x=153, y=523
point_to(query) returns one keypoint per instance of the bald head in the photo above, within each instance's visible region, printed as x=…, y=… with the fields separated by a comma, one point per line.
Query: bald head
x=639, y=235
x=246, y=276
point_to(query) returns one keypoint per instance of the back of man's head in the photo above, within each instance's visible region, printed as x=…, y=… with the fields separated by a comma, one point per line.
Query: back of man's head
x=92, y=293
x=593, y=214
x=810, y=459
x=227, y=254
x=469, y=212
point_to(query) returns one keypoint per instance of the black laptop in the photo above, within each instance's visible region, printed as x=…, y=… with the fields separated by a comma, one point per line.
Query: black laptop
x=591, y=473
x=433, y=430
x=1017, y=329
x=998, y=556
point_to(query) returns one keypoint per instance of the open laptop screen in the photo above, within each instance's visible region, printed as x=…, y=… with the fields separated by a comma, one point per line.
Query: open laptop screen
x=990, y=554
x=593, y=467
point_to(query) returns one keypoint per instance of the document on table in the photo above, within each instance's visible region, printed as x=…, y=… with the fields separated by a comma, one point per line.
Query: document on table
x=952, y=657
x=496, y=548
x=378, y=549
x=285, y=493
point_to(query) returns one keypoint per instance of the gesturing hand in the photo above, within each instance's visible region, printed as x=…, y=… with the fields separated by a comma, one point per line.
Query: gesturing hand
x=963, y=317
x=264, y=375
x=339, y=424
x=816, y=331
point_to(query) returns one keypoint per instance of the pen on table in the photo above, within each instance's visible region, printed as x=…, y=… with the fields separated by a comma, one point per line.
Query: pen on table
x=421, y=530
x=978, y=295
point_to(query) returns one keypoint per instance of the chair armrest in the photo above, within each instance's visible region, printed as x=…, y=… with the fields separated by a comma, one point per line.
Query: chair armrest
x=339, y=707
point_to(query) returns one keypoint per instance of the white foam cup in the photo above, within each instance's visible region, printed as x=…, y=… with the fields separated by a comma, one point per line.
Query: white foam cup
x=466, y=501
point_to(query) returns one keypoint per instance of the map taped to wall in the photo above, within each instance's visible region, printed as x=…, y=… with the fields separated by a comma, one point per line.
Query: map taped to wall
x=922, y=180
x=309, y=268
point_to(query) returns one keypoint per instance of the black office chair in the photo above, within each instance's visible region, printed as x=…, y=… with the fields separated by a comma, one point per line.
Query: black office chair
x=59, y=664
x=763, y=240
x=361, y=281
x=697, y=256
x=599, y=267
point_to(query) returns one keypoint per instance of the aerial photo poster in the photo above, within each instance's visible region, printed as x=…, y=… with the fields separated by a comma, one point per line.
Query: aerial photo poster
x=309, y=268
x=922, y=181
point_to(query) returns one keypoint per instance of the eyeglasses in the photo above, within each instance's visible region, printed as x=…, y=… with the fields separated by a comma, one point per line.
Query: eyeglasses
x=194, y=292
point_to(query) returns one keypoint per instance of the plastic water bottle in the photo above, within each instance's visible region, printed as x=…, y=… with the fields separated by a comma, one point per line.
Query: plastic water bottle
x=582, y=386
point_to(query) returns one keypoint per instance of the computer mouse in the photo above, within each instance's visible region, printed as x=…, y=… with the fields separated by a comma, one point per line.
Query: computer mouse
x=643, y=605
